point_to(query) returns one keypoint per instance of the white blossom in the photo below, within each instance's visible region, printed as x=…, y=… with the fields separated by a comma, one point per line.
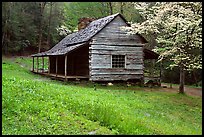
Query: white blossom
x=178, y=26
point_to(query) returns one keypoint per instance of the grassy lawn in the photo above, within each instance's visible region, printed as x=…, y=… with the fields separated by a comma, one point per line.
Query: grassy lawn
x=32, y=104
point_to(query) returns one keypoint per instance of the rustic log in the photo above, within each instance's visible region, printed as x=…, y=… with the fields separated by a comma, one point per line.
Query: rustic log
x=112, y=40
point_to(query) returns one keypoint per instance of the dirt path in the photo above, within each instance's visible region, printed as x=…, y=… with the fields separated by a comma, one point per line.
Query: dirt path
x=188, y=90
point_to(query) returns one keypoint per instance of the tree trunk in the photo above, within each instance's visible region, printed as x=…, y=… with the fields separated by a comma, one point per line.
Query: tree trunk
x=181, y=86
x=195, y=79
x=121, y=7
x=6, y=35
x=111, y=8
x=3, y=36
x=50, y=17
x=104, y=5
x=42, y=6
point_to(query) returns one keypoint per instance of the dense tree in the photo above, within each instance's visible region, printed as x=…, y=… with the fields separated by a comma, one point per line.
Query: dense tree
x=76, y=10
x=29, y=24
x=40, y=25
x=178, y=30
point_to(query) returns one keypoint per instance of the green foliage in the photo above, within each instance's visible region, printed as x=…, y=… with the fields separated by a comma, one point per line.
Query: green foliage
x=176, y=26
x=21, y=24
x=75, y=10
x=32, y=104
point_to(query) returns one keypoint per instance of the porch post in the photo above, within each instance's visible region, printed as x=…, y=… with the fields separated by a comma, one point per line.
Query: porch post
x=37, y=64
x=56, y=65
x=43, y=64
x=33, y=64
x=48, y=64
x=65, y=68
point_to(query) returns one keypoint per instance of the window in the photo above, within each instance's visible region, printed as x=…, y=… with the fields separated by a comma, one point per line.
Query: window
x=118, y=61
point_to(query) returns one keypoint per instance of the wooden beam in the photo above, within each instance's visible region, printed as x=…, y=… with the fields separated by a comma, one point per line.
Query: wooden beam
x=48, y=65
x=42, y=64
x=33, y=64
x=37, y=64
x=65, y=68
x=56, y=65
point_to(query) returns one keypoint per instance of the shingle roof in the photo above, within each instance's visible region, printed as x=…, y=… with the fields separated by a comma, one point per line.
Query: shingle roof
x=84, y=35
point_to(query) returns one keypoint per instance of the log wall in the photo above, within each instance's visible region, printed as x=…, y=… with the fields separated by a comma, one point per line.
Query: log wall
x=114, y=41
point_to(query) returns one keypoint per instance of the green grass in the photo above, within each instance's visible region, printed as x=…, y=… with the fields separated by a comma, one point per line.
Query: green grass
x=32, y=104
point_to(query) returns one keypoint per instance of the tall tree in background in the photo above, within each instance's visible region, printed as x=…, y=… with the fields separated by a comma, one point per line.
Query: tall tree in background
x=121, y=7
x=23, y=26
x=49, y=23
x=110, y=8
x=42, y=7
x=75, y=10
x=178, y=29
x=5, y=25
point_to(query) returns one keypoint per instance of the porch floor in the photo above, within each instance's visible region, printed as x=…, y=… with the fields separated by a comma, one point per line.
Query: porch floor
x=60, y=76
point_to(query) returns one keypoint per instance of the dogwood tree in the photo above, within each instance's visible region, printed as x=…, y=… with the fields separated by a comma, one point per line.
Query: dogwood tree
x=178, y=30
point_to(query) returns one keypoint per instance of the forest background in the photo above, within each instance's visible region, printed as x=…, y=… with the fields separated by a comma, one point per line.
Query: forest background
x=31, y=27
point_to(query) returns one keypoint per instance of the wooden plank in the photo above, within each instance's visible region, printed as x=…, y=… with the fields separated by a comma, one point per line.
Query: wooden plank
x=116, y=73
x=115, y=70
x=62, y=76
x=111, y=46
x=115, y=41
x=114, y=48
x=113, y=33
x=129, y=55
x=101, y=60
x=115, y=77
x=135, y=66
x=100, y=66
x=112, y=40
x=104, y=61
x=106, y=52
x=119, y=36
x=126, y=45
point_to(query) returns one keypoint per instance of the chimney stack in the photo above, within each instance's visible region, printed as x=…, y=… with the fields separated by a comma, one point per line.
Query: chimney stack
x=84, y=22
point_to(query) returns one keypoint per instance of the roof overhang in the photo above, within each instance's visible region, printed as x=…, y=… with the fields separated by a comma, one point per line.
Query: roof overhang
x=150, y=54
x=63, y=51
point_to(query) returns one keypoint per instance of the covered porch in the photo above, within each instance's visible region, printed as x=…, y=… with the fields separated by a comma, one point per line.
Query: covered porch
x=73, y=65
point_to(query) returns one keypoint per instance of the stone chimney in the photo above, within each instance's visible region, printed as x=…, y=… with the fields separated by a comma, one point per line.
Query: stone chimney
x=83, y=22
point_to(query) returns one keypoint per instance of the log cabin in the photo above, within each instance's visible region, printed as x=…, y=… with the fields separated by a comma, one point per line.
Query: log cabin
x=99, y=51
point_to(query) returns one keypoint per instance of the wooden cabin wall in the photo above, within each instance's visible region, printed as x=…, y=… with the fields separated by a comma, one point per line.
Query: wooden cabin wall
x=114, y=41
x=52, y=64
x=60, y=65
x=78, y=62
